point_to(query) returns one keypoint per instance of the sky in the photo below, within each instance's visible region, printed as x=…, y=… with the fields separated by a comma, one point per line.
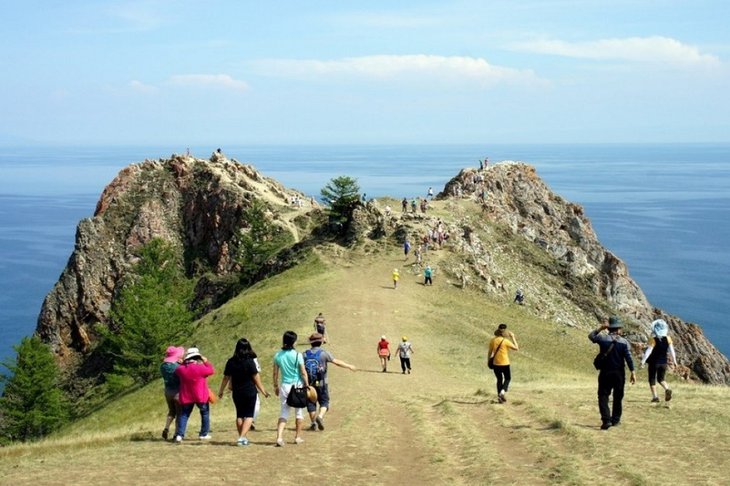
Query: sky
x=208, y=72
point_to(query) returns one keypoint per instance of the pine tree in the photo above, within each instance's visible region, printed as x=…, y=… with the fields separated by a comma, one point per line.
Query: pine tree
x=151, y=313
x=342, y=194
x=32, y=405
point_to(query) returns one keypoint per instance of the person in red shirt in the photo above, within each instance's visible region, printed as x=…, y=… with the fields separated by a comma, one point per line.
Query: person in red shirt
x=384, y=353
x=194, y=391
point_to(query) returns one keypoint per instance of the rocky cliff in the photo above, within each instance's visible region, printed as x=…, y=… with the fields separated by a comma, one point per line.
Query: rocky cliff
x=506, y=229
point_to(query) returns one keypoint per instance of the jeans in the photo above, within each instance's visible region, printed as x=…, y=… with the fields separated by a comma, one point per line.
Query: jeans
x=405, y=363
x=611, y=381
x=187, y=409
x=504, y=376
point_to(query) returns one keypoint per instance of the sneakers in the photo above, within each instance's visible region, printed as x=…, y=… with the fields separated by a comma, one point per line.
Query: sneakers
x=205, y=437
x=298, y=440
x=178, y=439
x=320, y=423
x=655, y=400
x=165, y=433
x=242, y=441
x=667, y=395
x=279, y=442
x=502, y=397
x=606, y=425
x=313, y=426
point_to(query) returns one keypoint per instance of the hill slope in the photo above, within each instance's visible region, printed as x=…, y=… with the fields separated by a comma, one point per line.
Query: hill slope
x=439, y=425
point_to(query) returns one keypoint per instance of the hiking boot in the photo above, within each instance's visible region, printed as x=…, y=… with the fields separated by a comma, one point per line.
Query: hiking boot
x=606, y=425
x=313, y=426
x=667, y=395
x=165, y=433
x=320, y=423
x=655, y=400
x=298, y=440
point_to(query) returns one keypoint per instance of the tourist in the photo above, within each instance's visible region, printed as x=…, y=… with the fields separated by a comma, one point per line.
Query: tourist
x=427, y=274
x=430, y=193
x=384, y=353
x=404, y=205
x=499, y=348
x=173, y=358
x=194, y=391
x=612, y=375
x=288, y=372
x=405, y=349
x=406, y=248
x=315, y=362
x=519, y=297
x=243, y=374
x=320, y=325
x=660, y=346
x=396, y=277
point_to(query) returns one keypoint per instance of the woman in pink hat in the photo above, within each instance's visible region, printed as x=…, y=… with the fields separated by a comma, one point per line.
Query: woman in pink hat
x=173, y=358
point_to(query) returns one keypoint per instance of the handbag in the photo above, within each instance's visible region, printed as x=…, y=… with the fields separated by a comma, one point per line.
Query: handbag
x=490, y=361
x=297, y=397
x=600, y=358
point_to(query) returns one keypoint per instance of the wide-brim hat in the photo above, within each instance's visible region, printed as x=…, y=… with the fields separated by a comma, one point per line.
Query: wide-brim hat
x=192, y=353
x=174, y=353
x=316, y=338
x=311, y=394
x=614, y=323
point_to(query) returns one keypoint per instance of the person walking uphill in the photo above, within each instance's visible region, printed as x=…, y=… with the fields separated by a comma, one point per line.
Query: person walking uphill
x=289, y=371
x=660, y=345
x=396, y=277
x=315, y=362
x=243, y=374
x=194, y=391
x=499, y=348
x=384, y=353
x=173, y=358
x=614, y=351
x=404, y=353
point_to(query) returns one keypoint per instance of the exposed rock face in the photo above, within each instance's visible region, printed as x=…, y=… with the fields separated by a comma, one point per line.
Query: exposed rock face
x=195, y=204
x=518, y=199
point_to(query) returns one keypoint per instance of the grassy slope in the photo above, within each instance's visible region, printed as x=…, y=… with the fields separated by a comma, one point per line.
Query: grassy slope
x=441, y=424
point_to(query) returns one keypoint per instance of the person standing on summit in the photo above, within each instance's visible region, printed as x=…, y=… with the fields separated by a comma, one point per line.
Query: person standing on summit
x=614, y=351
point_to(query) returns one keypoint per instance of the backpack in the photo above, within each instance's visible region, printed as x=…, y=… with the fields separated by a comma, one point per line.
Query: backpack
x=314, y=367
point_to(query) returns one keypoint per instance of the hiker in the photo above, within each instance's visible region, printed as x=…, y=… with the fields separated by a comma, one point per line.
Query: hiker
x=499, y=348
x=430, y=193
x=396, y=277
x=173, y=358
x=405, y=349
x=413, y=205
x=660, y=345
x=404, y=205
x=519, y=297
x=406, y=248
x=320, y=326
x=427, y=274
x=194, y=392
x=612, y=376
x=315, y=362
x=384, y=353
x=288, y=372
x=243, y=374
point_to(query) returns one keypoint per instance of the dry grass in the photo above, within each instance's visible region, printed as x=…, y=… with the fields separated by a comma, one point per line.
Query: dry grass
x=439, y=425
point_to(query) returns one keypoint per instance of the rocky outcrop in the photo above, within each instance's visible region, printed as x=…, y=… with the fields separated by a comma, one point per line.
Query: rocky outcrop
x=195, y=204
x=590, y=280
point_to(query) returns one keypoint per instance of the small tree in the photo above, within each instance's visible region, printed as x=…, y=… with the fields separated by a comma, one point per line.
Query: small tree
x=342, y=194
x=32, y=404
x=257, y=243
x=151, y=312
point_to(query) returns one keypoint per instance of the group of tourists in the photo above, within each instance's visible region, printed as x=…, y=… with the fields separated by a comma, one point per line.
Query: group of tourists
x=404, y=350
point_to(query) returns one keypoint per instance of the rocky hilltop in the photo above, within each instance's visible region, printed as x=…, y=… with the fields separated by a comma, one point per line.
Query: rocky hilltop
x=506, y=229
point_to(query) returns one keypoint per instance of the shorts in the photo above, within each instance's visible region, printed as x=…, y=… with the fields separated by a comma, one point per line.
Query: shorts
x=383, y=352
x=284, y=390
x=657, y=372
x=323, y=398
x=245, y=405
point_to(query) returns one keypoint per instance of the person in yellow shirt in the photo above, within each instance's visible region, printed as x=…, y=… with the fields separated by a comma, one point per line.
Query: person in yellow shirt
x=499, y=347
x=396, y=277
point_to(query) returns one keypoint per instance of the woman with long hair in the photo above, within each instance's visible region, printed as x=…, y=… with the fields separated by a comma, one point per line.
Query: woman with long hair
x=289, y=371
x=243, y=374
x=499, y=348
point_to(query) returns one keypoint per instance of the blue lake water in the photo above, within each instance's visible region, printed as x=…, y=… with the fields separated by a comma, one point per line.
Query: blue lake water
x=663, y=209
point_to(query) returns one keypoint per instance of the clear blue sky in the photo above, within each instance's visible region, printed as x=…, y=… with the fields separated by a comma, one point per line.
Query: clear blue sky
x=244, y=72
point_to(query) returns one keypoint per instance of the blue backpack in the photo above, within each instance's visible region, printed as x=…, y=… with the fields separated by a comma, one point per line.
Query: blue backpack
x=313, y=365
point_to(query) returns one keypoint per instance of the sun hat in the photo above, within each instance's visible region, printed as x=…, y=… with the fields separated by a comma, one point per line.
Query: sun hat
x=174, y=353
x=382, y=337
x=192, y=353
x=311, y=394
x=660, y=328
x=614, y=323
x=404, y=338
x=316, y=338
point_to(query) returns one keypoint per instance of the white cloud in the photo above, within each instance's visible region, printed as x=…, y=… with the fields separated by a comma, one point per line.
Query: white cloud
x=398, y=67
x=141, y=87
x=209, y=80
x=655, y=49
